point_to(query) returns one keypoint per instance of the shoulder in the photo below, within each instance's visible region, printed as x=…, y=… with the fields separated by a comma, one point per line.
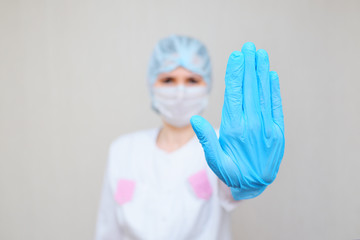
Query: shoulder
x=127, y=150
x=130, y=143
x=129, y=139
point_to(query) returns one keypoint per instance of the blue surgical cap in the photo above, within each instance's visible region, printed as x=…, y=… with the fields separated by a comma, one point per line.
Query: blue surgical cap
x=179, y=51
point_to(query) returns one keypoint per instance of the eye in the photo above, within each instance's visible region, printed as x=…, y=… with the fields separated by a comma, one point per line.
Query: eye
x=168, y=80
x=193, y=80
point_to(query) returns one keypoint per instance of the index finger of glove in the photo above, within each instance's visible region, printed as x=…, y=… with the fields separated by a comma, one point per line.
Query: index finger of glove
x=234, y=77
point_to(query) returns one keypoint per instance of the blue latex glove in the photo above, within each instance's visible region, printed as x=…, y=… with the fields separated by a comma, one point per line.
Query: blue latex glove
x=248, y=153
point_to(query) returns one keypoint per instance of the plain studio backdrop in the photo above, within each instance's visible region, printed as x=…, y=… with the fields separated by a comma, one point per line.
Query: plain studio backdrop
x=73, y=78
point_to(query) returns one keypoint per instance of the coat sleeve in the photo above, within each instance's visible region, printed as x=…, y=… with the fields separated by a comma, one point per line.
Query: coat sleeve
x=107, y=227
x=227, y=200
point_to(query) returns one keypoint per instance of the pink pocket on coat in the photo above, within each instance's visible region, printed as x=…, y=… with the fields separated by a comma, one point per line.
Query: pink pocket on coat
x=201, y=185
x=124, y=191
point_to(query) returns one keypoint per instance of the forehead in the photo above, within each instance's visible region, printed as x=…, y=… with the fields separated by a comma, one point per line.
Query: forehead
x=179, y=72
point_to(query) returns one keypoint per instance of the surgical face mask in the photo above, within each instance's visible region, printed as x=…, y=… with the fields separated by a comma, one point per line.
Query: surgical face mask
x=177, y=105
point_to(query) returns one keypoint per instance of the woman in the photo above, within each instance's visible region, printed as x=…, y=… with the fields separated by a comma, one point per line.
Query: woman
x=158, y=183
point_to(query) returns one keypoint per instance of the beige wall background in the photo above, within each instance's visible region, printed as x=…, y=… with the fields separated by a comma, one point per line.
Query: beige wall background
x=72, y=78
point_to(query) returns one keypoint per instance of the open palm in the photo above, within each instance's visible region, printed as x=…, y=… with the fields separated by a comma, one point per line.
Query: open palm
x=250, y=147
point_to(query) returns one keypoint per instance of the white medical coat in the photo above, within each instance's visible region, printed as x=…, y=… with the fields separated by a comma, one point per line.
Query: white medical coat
x=151, y=194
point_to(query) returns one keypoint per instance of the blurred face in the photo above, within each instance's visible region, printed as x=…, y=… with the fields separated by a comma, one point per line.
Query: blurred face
x=178, y=95
x=179, y=76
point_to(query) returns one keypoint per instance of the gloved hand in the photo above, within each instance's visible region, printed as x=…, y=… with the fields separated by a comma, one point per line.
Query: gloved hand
x=248, y=153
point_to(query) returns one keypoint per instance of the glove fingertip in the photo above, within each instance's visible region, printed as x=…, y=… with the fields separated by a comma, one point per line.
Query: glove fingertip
x=198, y=124
x=249, y=47
x=195, y=120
